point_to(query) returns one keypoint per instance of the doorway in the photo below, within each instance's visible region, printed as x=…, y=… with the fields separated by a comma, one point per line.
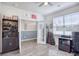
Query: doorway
x=28, y=33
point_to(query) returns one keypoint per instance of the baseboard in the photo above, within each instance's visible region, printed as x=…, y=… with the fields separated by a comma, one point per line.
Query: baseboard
x=28, y=39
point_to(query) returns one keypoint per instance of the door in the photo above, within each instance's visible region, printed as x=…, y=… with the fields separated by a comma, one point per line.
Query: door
x=41, y=35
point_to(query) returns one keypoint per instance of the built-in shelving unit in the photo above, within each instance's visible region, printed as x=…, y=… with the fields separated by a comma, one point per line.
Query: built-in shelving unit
x=9, y=35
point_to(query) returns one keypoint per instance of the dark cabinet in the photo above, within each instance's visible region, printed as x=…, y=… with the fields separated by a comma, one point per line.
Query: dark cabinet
x=10, y=38
x=75, y=36
x=50, y=38
x=65, y=44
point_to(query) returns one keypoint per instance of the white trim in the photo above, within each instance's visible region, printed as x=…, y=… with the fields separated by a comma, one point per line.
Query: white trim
x=0, y=33
x=19, y=29
x=28, y=39
x=28, y=30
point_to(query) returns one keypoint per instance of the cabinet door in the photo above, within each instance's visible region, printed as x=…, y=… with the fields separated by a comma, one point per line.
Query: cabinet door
x=10, y=44
x=5, y=45
x=13, y=43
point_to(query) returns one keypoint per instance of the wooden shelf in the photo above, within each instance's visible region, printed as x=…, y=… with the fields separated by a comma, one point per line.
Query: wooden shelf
x=10, y=20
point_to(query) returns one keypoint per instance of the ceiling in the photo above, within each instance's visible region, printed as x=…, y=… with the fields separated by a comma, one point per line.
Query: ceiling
x=44, y=10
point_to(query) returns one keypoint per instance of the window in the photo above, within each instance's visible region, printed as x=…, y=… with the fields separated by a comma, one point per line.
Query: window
x=66, y=24
x=75, y=18
x=58, y=21
x=75, y=21
x=58, y=25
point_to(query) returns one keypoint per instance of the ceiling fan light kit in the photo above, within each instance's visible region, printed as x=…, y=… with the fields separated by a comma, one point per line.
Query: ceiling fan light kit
x=45, y=3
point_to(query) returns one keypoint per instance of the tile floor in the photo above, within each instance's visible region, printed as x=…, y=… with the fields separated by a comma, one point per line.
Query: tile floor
x=31, y=48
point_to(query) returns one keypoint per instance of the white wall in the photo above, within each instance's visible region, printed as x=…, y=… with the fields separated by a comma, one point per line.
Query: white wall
x=48, y=20
x=22, y=14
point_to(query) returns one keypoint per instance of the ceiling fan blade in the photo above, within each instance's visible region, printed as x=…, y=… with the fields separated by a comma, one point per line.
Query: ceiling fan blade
x=41, y=4
x=50, y=3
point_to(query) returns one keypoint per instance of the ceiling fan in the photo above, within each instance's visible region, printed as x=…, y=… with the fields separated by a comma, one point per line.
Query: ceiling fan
x=45, y=4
